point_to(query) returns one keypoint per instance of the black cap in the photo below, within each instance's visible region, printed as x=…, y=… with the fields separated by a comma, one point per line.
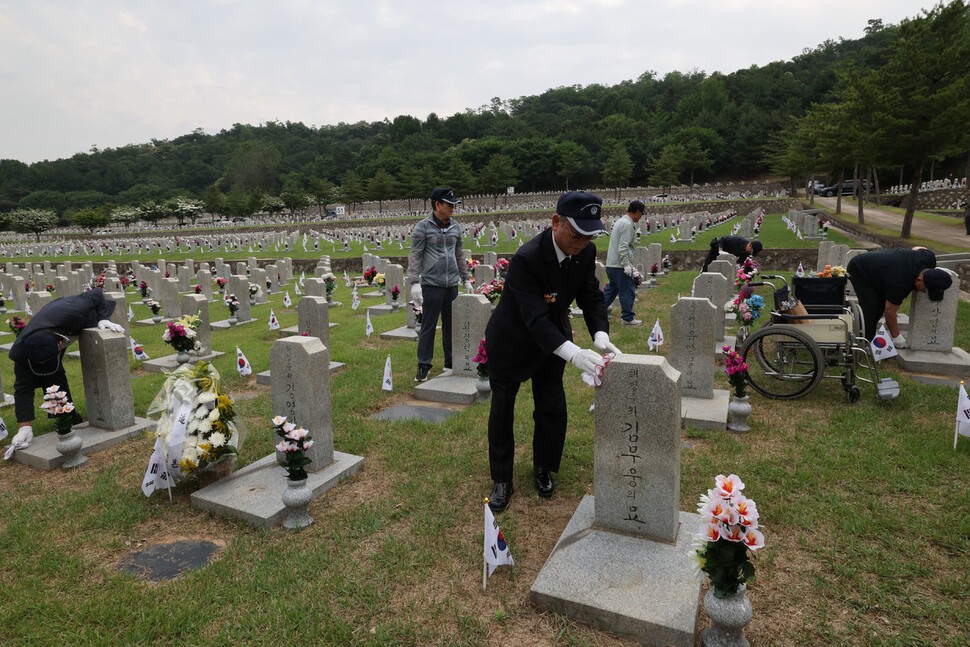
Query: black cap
x=756, y=247
x=583, y=210
x=444, y=194
x=936, y=282
x=42, y=352
x=635, y=206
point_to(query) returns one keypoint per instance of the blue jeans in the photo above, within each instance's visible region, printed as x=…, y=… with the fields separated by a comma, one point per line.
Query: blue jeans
x=621, y=285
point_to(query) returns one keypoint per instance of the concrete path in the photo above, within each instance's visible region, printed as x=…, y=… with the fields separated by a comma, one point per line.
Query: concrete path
x=951, y=234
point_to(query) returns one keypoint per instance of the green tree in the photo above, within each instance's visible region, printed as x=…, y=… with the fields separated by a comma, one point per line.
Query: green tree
x=214, y=200
x=497, y=176
x=460, y=176
x=922, y=94
x=127, y=215
x=273, y=204
x=90, y=219
x=381, y=187
x=618, y=168
x=571, y=158
x=323, y=193
x=254, y=166
x=665, y=169
x=352, y=189
x=695, y=158
x=152, y=211
x=32, y=221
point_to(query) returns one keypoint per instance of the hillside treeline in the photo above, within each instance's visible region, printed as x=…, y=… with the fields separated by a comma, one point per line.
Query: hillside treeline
x=661, y=131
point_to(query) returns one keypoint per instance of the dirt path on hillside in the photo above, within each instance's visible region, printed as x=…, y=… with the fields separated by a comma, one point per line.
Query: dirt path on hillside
x=951, y=234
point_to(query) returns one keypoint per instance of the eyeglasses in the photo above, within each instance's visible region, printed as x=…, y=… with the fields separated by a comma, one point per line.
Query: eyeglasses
x=576, y=235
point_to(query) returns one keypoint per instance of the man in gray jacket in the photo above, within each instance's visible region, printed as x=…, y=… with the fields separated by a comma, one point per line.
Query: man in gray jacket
x=619, y=263
x=436, y=266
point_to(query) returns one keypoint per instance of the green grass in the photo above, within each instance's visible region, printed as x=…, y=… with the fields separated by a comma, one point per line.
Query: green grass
x=864, y=510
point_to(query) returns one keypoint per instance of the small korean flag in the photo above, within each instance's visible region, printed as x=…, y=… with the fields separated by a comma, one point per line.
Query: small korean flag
x=286, y=299
x=356, y=302
x=497, y=550
x=477, y=244
x=28, y=309
x=131, y=313
x=274, y=323
x=347, y=278
x=388, y=383
x=242, y=364
x=882, y=345
x=673, y=238
x=656, y=337
x=296, y=288
x=800, y=272
x=137, y=351
x=3, y=429
x=302, y=278
x=963, y=416
x=370, y=327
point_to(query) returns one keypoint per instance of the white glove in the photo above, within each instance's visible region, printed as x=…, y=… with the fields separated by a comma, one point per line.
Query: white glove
x=899, y=341
x=587, y=360
x=468, y=287
x=602, y=343
x=628, y=270
x=25, y=435
x=416, y=295
x=104, y=324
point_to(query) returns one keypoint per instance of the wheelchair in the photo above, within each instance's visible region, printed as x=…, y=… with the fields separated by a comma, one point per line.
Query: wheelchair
x=788, y=356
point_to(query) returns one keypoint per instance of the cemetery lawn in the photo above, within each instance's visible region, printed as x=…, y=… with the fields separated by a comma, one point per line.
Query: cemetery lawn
x=864, y=510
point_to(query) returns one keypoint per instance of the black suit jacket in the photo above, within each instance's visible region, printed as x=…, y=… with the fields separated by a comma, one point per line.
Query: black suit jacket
x=532, y=317
x=67, y=315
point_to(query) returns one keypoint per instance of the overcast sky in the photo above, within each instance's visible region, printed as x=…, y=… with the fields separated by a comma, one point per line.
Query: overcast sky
x=81, y=73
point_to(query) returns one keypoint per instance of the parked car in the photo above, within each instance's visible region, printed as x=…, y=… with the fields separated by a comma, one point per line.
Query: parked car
x=848, y=187
x=817, y=185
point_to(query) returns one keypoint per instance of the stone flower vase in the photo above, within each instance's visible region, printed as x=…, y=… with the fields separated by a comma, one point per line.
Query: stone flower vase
x=233, y=320
x=330, y=298
x=653, y=281
x=156, y=318
x=395, y=305
x=69, y=446
x=182, y=357
x=417, y=327
x=728, y=616
x=739, y=409
x=3, y=309
x=296, y=498
x=483, y=387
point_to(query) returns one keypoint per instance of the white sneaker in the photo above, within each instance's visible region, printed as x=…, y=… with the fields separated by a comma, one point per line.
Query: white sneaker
x=631, y=322
x=446, y=372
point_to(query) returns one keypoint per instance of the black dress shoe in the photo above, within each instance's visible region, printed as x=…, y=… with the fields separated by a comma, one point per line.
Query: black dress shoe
x=501, y=494
x=545, y=486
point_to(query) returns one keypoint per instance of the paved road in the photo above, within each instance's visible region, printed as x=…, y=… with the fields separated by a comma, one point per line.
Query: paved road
x=952, y=234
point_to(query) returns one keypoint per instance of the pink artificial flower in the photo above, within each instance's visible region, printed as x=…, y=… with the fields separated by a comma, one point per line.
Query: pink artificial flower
x=734, y=534
x=713, y=532
x=728, y=487
x=747, y=512
x=754, y=540
x=278, y=420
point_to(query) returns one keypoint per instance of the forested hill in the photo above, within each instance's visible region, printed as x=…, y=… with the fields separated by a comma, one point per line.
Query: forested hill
x=580, y=136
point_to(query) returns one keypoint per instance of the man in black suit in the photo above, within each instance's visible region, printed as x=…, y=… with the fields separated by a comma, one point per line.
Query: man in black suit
x=529, y=337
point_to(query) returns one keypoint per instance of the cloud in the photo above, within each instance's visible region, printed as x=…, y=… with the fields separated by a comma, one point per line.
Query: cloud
x=110, y=73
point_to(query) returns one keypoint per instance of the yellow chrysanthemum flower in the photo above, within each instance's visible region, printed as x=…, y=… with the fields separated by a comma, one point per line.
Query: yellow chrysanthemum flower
x=224, y=403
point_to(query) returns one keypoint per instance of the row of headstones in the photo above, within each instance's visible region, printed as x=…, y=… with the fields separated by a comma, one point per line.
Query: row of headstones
x=806, y=222
x=835, y=255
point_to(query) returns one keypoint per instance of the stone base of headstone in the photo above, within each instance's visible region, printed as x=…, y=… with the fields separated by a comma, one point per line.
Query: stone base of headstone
x=169, y=362
x=371, y=295
x=704, y=413
x=6, y=347
x=295, y=330
x=719, y=344
x=401, y=333
x=6, y=400
x=264, y=377
x=383, y=309
x=955, y=362
x=151, y=322
x=645, y=590
x=448, y=388
x=255, y=493
x=224, y=324
x=43, y=455
x=936, y=380
x=414, y=412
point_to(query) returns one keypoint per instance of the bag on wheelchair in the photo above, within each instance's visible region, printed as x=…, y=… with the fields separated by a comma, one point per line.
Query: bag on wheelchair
x=821, y=295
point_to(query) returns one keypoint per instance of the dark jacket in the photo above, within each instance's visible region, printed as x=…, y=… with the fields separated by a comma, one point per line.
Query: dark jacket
x=67, y=315
x=532, y=317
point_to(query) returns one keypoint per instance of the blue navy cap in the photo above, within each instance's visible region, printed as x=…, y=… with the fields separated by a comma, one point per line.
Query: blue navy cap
x=583, y=210
x=444, y=194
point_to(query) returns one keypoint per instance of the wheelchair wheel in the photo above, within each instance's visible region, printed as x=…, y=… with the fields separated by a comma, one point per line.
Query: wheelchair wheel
x=783, y=362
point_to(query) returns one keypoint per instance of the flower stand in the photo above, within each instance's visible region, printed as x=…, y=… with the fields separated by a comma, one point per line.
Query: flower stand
x=296, y=498
x=739, y=409
x=69, y=445
x=728, y=616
